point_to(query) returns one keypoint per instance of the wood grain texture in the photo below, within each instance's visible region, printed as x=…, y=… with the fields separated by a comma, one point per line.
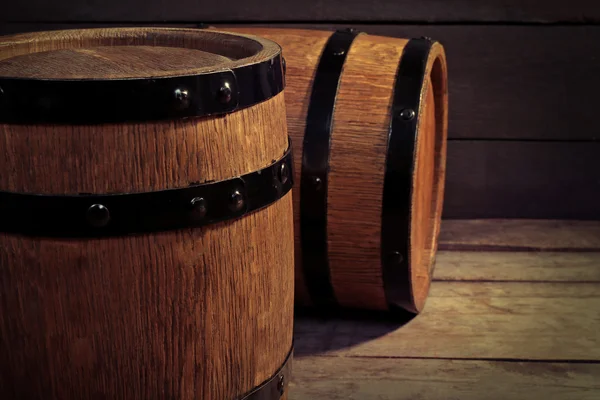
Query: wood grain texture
x=199, y=313
x=489, y=79
x=235, y=50
x=520, y=235
x=114, y=62
x=302, y=57
x=496, y=92
x=329, y=378
x=519, y=250
x=429, y=180
x=236, y=10
x=357, y=160
x=356, y=170
x=187, y=314
x=474, y=321
x=508, y=333
x=506, y=266
x=301, y=64
x=427, y=209
x=357, y=167
x=165, y=154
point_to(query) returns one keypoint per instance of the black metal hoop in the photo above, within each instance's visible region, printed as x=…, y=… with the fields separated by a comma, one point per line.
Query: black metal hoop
x=399, y=169
x=29, y=101
x=129, y=213
x=315, y=167
x=274, y=387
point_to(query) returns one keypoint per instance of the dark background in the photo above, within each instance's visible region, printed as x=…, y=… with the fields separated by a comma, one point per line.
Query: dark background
x=524, y=76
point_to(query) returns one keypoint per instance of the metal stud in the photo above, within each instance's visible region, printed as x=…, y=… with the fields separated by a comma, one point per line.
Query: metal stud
x=98, y=215
x=183, y=97
x=281, y=385
x=225, y=92
x=198, y=207
x=236, y=201
x=317, y=182
x=284, y=173
x=338, y=51
x=395, y=257
x=407, y=114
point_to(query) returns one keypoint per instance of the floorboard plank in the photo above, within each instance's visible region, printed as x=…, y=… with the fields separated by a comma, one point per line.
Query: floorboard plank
x=501, y=266
x=399, y=379
x=520, y=234
x=522, y=321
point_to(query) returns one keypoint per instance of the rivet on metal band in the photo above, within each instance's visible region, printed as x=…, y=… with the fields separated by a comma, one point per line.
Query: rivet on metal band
x=315, y=167
x=399, y=169
x=130, y=213
x=275, y=387
x=32, y=101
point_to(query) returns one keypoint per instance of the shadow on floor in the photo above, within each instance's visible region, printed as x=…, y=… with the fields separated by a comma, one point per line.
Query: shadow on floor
x=319, y=331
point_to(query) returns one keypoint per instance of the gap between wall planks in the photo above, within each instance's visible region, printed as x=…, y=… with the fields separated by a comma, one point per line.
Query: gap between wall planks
x=505, y=82
x=460, y=11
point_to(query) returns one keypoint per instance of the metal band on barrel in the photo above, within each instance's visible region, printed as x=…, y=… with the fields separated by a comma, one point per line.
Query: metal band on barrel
x=315, y=167
x=399, y=170
x=130, y=213
x=276, y=386
x=32, y=101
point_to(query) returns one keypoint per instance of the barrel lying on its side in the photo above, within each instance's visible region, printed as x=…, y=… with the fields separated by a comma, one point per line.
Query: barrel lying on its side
x=146, y=245
x=368, y=120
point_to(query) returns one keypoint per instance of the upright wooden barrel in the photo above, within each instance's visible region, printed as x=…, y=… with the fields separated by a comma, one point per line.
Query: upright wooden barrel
x=368, y=120
x=146, y=245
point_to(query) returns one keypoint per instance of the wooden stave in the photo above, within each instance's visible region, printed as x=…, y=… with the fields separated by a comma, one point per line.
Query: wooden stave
x=362, y=287
x=163, y=316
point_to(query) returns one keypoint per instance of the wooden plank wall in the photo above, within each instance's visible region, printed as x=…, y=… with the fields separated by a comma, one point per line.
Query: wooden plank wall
x=524, y=133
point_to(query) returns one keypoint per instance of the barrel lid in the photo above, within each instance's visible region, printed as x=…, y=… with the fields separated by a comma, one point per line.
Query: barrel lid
x=133, y=74
x=110, y=62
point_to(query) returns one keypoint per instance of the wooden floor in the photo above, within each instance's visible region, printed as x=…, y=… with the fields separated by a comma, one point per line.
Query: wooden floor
x=514, y=313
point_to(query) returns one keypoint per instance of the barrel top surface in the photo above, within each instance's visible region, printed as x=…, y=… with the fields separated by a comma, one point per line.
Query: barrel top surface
x=104, y=75
x=108, y=62
x=121, y=53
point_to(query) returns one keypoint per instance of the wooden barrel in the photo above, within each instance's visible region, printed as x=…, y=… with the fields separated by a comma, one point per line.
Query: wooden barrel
x=146, y=246
x=368, y=120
